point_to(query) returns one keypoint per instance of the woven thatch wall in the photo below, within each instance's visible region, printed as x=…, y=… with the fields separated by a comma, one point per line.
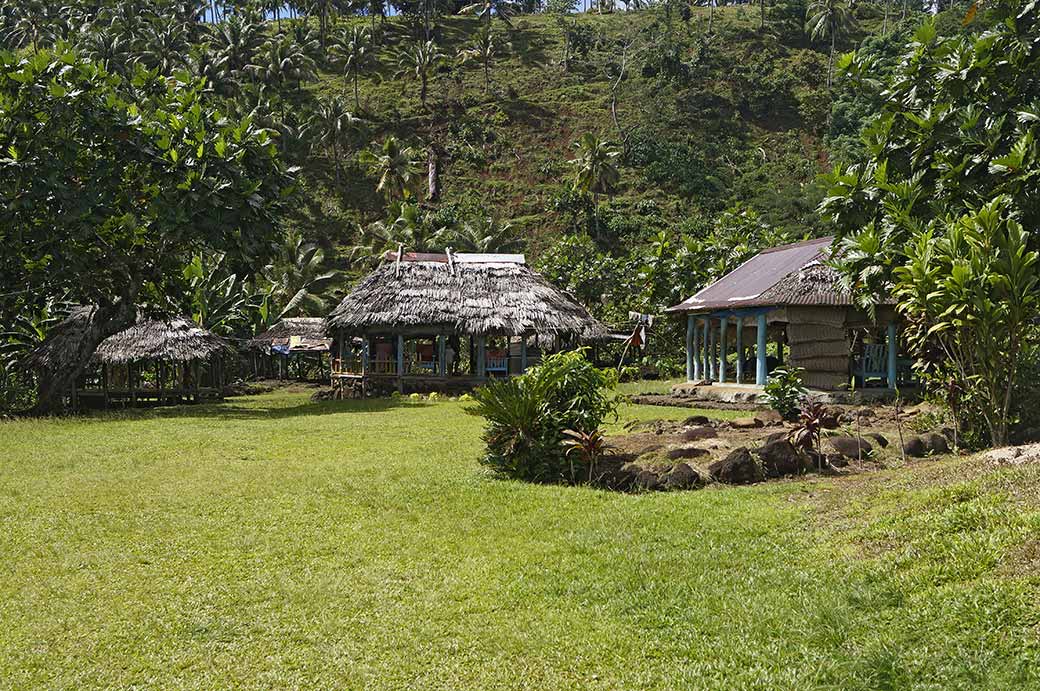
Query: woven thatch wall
x=475, y=299
x=818, y=343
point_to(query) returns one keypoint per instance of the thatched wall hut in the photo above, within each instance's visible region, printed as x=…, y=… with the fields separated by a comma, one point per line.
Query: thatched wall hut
x=294, y=340
x=791, y=296
x=432, y=302
x=170, y=360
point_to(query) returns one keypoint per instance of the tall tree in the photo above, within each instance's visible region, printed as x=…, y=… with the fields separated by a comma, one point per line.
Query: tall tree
x=396, y=168
x=595, y=171
x=331, y=124
x=486, y=9
x=103, y=197
x=356, y=51
x=829, y=19
x=297, y=280
x=483, y=49
x=419, y=62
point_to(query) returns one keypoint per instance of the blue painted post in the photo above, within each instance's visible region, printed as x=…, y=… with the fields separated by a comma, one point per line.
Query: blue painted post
x=892, y=355
x=689, y=347
x=740, y=349
x=696, y=352
x=760, y=353
x=713, y=373
x=723, y=328
x=706, y=354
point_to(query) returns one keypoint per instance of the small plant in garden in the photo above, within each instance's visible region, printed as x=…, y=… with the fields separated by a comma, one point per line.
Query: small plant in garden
x=528, y=415
x=785, y=391
x=589, y=447
x=808, y=435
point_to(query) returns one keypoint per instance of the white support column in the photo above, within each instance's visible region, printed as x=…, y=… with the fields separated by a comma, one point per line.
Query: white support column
x=696, y=352
x=740, y=350
x=760, y=352
x=690, y=330
x=892, y=370
x=706, y=350
x=723, y=328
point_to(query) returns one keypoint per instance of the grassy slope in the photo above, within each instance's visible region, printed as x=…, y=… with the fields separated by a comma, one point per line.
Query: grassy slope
x=274, y=542
x=508, y=151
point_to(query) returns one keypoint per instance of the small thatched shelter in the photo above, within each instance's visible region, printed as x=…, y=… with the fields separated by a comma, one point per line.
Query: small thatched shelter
x=299, y=340
x=171, y=360
x=415, y=310
x=790, y=295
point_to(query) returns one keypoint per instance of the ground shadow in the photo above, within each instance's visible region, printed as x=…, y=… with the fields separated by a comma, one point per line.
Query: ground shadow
x=232, y=409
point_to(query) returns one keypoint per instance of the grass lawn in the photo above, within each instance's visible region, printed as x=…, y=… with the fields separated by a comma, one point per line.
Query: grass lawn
x=273, y=542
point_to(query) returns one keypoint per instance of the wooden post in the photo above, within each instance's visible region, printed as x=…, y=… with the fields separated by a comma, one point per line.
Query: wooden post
x=133, y=383
x=160, y=368
x=705, y=355
x=690, y=329
x=723, y=328
x=481, y=348
x=712, y=360
x=104, y=382
x=740, y=349
x=442, y=355
x=197, y=371
x=400, y=363
x=523, y=353
x=780, y=348
x=892, y=373
x=760, y=353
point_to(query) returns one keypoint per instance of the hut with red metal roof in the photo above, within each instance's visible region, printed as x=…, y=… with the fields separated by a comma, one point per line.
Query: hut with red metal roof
x=791, y=298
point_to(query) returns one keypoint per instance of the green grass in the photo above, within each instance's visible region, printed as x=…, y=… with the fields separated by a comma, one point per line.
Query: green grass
x=273, y=542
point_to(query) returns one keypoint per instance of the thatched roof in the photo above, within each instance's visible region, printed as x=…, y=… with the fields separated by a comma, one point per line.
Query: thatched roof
x=464, y=294
x=303, y=333
x=172, y=339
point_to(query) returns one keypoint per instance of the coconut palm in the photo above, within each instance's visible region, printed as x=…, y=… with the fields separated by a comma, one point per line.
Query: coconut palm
x=486, y=234
x=355, y=50
x=420, y=62
x=165, y=46
x=330, y=125
x=109, y=49
x=829, y=19
x=237, y=41
x=406, y=227
x=297, y=281
x=395, y=166
x=594, y=170
x=483, y=49
x=280, y=62
x=485, y=9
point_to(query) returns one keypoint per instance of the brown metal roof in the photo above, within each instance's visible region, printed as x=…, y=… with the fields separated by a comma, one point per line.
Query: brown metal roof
x=774, y=277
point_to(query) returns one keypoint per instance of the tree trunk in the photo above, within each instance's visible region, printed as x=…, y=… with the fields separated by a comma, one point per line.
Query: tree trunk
x=830, y=61
x=357, y=99
x=102, y=323
x=433, y=174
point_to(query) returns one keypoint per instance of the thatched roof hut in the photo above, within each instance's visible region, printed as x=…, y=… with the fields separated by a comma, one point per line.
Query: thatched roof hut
x=475, y=295
x=296, y=334
x=170, y=340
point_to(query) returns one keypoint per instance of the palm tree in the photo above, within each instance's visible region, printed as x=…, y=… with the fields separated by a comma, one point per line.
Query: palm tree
x=110, y=50
x=331, y=123
x=486, y=234
x=420, y=62
x=595, y=171
x=503, y=9
x=405, y=227
x=165, y=47
x=281, y=62
x=237, y=40
x=828, y=18
x=297, y=281
x=396, y=168
x=483, y=48
x=356, y=51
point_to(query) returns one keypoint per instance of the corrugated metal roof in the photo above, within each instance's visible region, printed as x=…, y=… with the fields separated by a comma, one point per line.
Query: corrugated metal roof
x=760, y=281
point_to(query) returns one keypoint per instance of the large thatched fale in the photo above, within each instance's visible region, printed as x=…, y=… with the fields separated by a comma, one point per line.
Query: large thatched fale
x=437, y=321
x=160, y=360
x=473, y=295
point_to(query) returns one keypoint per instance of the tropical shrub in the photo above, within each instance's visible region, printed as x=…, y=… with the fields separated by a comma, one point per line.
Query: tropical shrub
x=785, y=391
x=528, y=417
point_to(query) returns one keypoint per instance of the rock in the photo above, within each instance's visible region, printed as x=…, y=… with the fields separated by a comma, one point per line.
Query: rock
x=681, y=476
x=647, y=479
x=698, y=433
x=865, y=413
x=769, y=417
x=935, y=443
x=850, y=447
x=696, y=420
x=745, y=423
x=781, y=458
x=738, y=468
x=878, y=438
x=829, y=421
x=915, y=447
x=837, y=461
x=949, y=433
x=686, y=452
x=775, y=436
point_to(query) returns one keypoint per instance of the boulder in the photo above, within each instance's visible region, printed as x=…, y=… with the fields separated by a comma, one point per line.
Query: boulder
x=647, y=479
x=738, y=468
x=781, y=458
x=696, y=420
x=681, y=476
x=698, y=433
x=769, y=417
x=745, y=423
x=850, y=447
x=935, y=442
x=829, y=421
x=878, y=438
x=914, y=447
x=775, y=436
x=685, y=452
x=865, y=413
